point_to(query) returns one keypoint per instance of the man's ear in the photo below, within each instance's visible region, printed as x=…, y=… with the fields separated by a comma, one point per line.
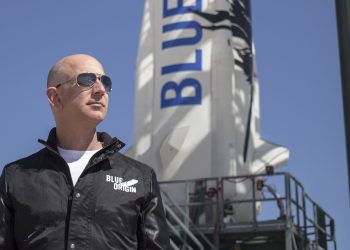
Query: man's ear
x=53, y=97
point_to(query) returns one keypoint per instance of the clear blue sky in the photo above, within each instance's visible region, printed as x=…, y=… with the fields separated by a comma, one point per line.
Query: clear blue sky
x=298, y=65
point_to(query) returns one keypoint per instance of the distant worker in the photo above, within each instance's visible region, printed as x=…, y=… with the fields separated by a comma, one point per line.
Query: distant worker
x=78, y=192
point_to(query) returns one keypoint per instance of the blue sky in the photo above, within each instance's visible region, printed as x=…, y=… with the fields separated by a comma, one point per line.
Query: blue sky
x=298, y=66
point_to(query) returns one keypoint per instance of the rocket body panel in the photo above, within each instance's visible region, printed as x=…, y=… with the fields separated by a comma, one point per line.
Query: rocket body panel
x=197, y=94
x=180, y=78
x=145, y=84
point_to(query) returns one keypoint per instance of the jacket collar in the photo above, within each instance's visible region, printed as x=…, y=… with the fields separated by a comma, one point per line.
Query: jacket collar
x=107, y=141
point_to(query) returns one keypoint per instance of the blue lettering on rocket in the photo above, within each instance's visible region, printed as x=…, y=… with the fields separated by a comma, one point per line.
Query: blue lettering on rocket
x=180, y=8
x=195, y=66
x=194, y=84
x=179, y=99
x=182, y=41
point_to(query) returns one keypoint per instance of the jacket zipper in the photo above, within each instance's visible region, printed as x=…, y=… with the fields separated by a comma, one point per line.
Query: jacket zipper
x=88, y=166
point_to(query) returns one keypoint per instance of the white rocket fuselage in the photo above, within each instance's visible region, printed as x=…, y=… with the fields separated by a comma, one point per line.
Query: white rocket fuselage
x=197, y=97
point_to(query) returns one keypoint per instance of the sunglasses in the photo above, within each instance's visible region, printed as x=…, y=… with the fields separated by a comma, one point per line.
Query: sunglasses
x=88, y=80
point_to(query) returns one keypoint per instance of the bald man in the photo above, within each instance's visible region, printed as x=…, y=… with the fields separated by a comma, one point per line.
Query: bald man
x=78, y=192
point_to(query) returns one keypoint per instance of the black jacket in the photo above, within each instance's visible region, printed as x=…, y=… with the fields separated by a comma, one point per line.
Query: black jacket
x=115, y=204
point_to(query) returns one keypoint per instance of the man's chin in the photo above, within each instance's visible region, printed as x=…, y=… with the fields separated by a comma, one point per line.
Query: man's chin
x=96, y=117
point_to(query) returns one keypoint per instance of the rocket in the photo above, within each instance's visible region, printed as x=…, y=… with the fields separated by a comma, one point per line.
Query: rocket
x=197, y=95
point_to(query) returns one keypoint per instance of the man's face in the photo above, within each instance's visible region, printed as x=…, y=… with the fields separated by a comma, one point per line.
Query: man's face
x=79, y=104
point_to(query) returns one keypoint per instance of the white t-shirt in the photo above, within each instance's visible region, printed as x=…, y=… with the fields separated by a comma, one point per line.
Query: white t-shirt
x=76, y=160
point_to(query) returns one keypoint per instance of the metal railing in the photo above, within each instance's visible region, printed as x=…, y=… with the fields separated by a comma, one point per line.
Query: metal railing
x=208, y=208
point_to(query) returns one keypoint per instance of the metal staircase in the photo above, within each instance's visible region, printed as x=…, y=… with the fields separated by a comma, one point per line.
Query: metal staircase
x=184, y=232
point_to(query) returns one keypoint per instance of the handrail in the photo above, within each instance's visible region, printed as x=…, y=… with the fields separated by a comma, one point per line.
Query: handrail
x=187, y=219
x=183, y=226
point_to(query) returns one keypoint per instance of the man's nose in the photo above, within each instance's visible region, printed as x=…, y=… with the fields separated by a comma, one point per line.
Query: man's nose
x=99, y=87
